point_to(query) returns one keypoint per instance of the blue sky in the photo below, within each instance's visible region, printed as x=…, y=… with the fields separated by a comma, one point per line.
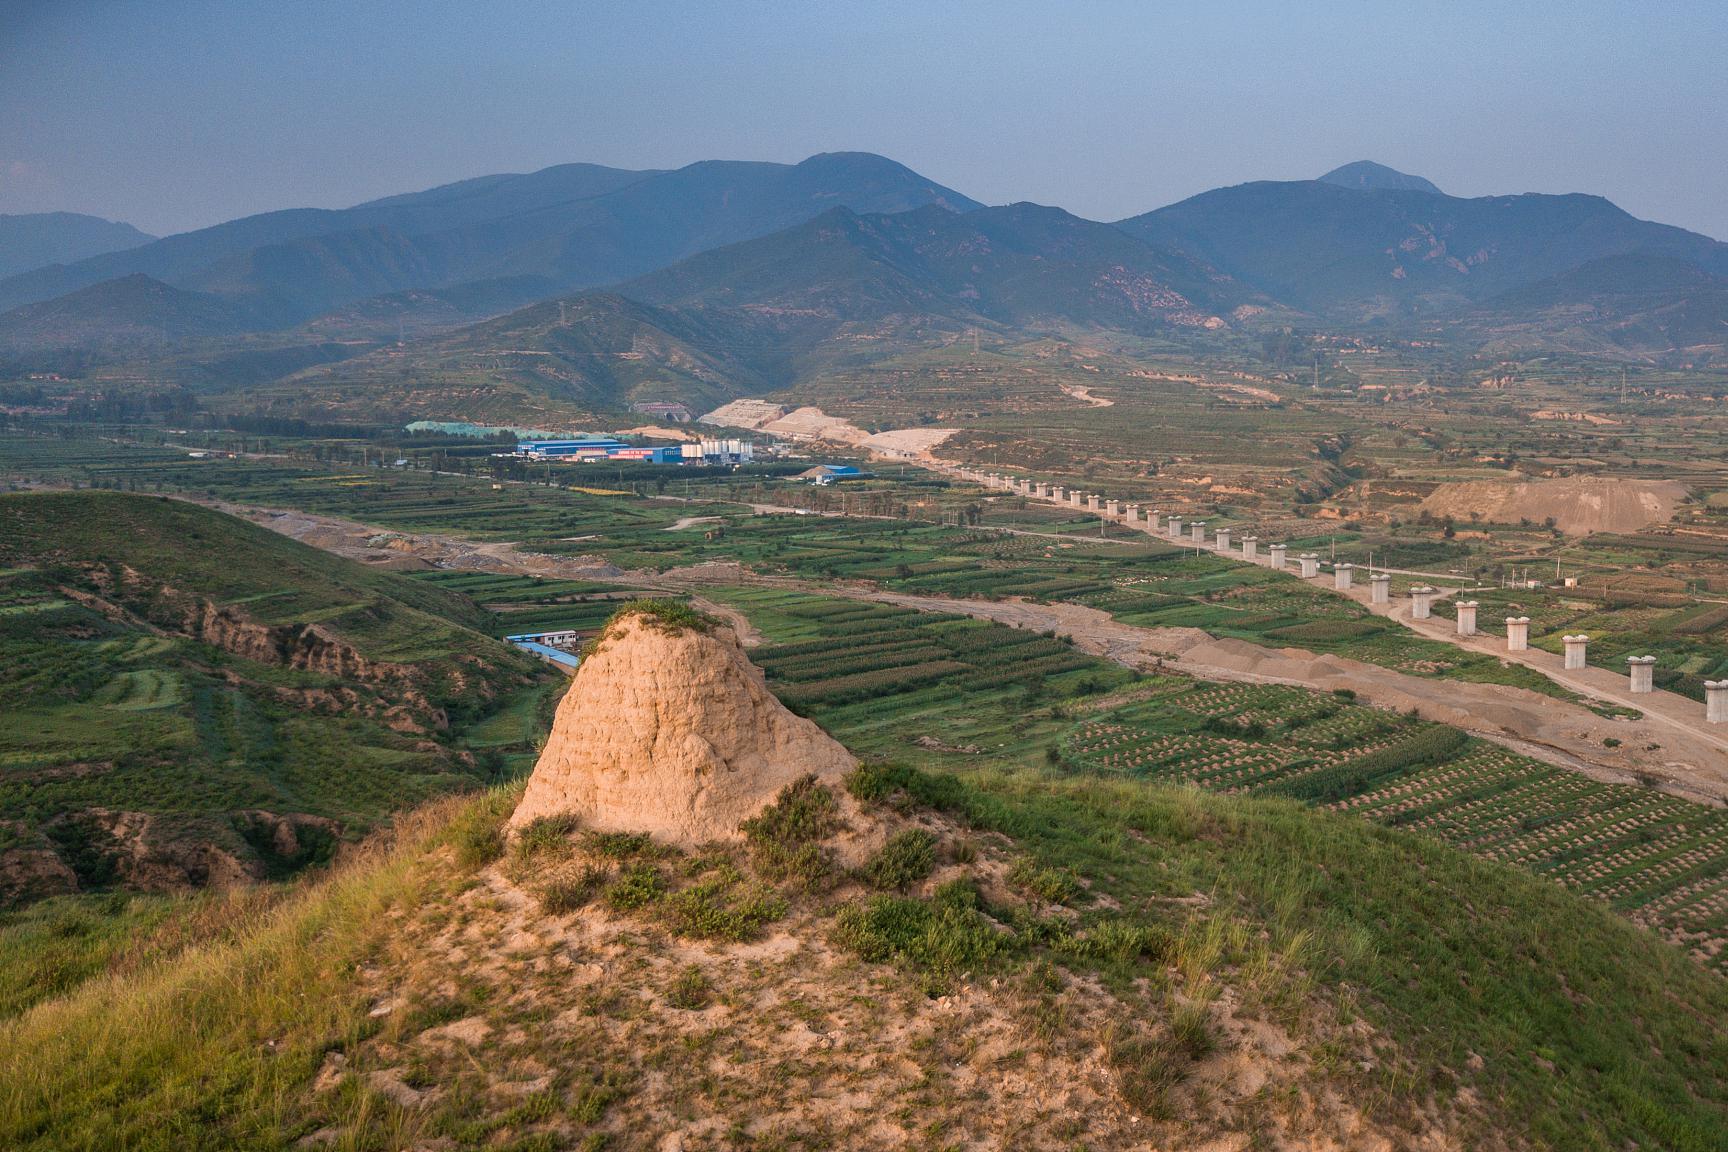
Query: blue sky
x=174, y=114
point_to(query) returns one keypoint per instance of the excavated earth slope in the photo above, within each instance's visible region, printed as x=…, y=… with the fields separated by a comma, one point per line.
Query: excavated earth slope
x=1578, y=506
x=671, y=731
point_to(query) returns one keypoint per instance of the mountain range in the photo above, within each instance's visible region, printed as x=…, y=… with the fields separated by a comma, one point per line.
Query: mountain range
x=724, y=278
x=843, y=287
x=1352, y=253
x=563, y=228
x=37, y=239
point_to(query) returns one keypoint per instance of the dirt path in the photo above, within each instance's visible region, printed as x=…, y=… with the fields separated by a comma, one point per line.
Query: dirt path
x=1658, y=747
x=1083, y=393
x=1687, y=763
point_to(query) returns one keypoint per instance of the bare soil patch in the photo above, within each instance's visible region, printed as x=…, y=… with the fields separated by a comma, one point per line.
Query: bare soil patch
x=1578, y=506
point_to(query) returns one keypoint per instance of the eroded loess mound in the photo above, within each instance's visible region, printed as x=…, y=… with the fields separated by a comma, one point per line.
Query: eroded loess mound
x=1578, y=506
x=668, y=729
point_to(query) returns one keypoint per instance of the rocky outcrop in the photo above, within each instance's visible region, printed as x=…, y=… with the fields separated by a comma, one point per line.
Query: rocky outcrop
x=30, y=869
x=670, y=730
x=143, y=852
x=306, y=647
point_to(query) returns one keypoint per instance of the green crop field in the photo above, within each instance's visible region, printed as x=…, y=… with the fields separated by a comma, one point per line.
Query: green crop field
x=936, y=689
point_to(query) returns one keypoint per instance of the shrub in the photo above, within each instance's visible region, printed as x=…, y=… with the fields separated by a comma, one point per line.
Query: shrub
x=477, y=833
x=784, y=837
x=1118, y=941
x=715, y=909
x=1051, y=885
x=620, y=845
x=908, y=857
x=568, y=888
x=899, y=786
x=638, y=885
x=543, y=835
x=943, y=937
x=1147, y=1066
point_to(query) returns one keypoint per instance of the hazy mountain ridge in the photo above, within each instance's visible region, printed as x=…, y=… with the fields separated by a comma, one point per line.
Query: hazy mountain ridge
x=907, y=260
x=577, y=226
x=1633, y=303
x=1353, y=254
x=843, y=288
x=34, y=239
x=1366, y=174
x=132, y=310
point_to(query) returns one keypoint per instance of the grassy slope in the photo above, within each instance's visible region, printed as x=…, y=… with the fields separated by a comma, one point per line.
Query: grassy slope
x=1589, y=1033
x=127, y=712
x=231, y=562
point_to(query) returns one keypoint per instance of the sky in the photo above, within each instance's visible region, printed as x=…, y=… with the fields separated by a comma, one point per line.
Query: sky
x=175, y=114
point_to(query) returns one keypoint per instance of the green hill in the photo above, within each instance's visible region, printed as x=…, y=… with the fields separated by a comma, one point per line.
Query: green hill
x=767, y=313
x=574, y=226
x=193, y=700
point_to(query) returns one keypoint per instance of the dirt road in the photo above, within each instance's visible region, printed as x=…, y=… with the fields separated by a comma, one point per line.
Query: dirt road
x=1679, y=759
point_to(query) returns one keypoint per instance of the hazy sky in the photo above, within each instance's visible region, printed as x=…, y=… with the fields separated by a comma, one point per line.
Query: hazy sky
x=174, y=114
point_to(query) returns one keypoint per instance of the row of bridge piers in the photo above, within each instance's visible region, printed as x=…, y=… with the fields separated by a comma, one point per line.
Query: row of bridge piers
x=1641, y=670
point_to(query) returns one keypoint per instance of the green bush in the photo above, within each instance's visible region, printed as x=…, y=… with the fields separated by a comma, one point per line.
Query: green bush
x=543, y=835
x=943, y=937
x=908, y=857
x=1051, y=885
x=690, y=991
x=638, y=886
x=784, y=838
x=722, y=907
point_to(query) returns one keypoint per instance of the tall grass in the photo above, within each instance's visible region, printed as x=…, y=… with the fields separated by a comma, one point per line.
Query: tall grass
x=209, y=1052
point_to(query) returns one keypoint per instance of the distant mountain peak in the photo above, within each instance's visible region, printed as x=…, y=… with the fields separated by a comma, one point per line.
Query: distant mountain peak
x=1369, y=176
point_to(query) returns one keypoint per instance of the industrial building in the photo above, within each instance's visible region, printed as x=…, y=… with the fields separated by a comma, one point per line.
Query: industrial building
x=551, y=647
x=590, y=448
x=832, y=473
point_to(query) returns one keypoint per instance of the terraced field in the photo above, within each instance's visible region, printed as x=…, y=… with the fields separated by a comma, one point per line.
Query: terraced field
x=930, y=688
x=1660, y=860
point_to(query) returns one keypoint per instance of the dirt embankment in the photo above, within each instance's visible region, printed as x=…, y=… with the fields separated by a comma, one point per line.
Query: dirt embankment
x=810, y=423
x=1578, y=506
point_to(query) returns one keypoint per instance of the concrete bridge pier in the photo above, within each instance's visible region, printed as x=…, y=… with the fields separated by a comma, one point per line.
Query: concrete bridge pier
x=1197, y=532
x=1576, y=651
x=1517, y=633
x=1223, y=537
x=1716, y=701
x=1467, y=617
x=1343, y=575
x=1278, y=553
x=1175, y=527
x=1421, y=603
x=1310, y=562
x=1380, y=588
x=1250, y=547
x=1642, y=672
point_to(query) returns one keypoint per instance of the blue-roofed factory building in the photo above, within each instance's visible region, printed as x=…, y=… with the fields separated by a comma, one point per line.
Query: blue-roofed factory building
x=610, y=448
x=534, y=642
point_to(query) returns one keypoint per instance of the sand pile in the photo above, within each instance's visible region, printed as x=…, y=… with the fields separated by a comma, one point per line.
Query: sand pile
x=669, y=730
x=1579, y=505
